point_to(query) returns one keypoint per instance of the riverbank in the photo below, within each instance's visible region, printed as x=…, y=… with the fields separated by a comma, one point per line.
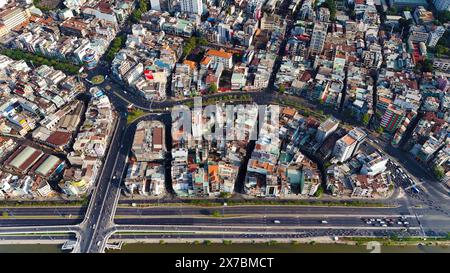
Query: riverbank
x=269, y=247
x=352, y=241
x=31, y=246
x=302, y=245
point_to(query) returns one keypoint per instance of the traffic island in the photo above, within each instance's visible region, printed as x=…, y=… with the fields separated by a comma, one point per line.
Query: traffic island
x=99, y=79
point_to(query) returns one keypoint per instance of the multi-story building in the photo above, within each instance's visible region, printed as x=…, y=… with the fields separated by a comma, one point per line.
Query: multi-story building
x=155, y=5
x=148, y=143
x=318, y=38
x=392, y=118
x=435, y=35
x=441, y=64
x=418, y=34
x=348, y=145
x=192, y=6
x=441, y=4
x=326, y=128
x=12, y=17
x=372, y=164
x=220, y=56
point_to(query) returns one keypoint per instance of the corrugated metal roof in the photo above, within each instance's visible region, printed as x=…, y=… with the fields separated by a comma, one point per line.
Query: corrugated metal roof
x=48, y=165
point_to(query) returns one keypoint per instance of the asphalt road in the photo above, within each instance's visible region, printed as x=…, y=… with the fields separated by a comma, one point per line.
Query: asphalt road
x=44, y=211
x=102, y=201
x=258, y=221
x=37, y=222
x=261, y=210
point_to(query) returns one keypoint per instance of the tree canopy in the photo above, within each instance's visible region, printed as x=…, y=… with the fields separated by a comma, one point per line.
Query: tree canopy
x=39, y=59
x=331, y=5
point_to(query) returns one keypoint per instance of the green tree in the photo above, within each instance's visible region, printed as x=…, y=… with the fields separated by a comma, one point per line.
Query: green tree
x=281, y=89
x=443, y=16
x=424, y=66
x=439, y=172
x=348, y=113
x=366, y=118
x=216, y=213
x=442, y=50
x=212, y=88
x=331, y=5
x=225, y=194
x=405, y=23
x=202, y=41
x=319, y=192
x=380, y=130
x=392, y=10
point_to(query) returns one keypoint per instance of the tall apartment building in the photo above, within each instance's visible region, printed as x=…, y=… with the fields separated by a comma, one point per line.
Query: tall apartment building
x=192, y=6
x=318, y=38
x=435, y=35
x=161, y=5
x=12, y=17
x=392, y=118
x=442, y=4
x=155, y=5
x=347, y=146
x=326, y=128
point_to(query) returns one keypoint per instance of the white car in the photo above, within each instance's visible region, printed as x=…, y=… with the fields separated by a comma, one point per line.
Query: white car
x=276, y=222
x=324, y=222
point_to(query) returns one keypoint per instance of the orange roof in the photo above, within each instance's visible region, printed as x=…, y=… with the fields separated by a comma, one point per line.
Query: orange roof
x=288, y=111
x=191, y=64
x=219, y=53
x=213, y=169
x=205, y=61
x=348, y=140
x=340, y=55
x=385, y=100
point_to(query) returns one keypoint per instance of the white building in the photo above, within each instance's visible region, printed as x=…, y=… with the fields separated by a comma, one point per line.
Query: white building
x=192, y=6
x=155, y=5
x=372, y=164
x=347, y=145
x=318, y=38
x=220, y=56
x=326, y=129
x=435, y=35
